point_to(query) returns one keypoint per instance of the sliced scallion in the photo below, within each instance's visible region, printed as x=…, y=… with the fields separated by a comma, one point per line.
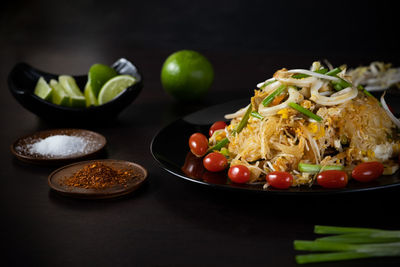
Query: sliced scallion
x=271, y=96
x=315, y=168
x=305, y=111
x=257, y=115
x=219, y=145
x=333, y=72
x=300, y=76
x=342, y=83
x=244, y=120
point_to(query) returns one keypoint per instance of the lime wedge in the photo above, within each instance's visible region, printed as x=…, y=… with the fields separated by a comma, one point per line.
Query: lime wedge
x=91, y=100
x=115, y=87
x=69, y=85
x=43, y=90
x=98, y=75
x=78, y=101
x=59, y=95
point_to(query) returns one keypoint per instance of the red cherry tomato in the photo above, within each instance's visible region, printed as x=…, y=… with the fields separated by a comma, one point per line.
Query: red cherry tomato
x=239, y=174
x=281, y=180
x=367, y=171
x=218, y=125
x=215, y=162
x=332, y=179
x=198, y=144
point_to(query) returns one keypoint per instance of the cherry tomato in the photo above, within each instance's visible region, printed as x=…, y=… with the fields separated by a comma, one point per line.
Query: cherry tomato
x=198, y=144
x=281, y=180
x=367, y=171
x=215, y=162
x=239, y=174
x=218, y=125
x=332, y=179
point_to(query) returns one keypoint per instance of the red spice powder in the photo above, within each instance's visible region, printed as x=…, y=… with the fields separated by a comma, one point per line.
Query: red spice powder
x=98, y=176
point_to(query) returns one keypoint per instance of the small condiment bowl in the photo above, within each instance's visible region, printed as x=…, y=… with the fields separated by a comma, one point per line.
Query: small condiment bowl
x=95, y=144
x=23, y=78
x=138, y=177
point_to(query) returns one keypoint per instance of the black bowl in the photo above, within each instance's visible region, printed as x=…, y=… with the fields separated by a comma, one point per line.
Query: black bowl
x=23, y=78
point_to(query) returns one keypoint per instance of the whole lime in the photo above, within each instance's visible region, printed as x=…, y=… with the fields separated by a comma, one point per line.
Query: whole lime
x=187, y=75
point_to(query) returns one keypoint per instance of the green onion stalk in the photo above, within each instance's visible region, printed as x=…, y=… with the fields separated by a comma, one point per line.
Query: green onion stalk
x=348, y=243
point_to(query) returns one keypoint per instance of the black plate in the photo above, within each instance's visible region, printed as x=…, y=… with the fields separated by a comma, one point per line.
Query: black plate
x=170, y=149
x=23, y=78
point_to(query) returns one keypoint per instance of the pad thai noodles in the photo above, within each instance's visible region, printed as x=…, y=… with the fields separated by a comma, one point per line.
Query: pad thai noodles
x=300, y=119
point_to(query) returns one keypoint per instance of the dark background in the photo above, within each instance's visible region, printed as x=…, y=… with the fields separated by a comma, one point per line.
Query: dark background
x=170, y=222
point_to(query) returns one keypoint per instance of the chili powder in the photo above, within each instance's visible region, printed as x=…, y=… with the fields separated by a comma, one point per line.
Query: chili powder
x=97, y=175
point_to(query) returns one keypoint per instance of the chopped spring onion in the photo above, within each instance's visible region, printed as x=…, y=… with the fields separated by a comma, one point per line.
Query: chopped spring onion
x=219, y=145
x=271, y=96
x=351, y=243
x=305, y=111
x=333, y=72
x=360, y=87
x=340, y=84
x=315, y=168
x=244, y=120
x=257, y=115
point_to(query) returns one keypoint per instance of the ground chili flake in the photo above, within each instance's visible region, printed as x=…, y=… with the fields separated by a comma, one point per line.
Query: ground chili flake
x=98, y=176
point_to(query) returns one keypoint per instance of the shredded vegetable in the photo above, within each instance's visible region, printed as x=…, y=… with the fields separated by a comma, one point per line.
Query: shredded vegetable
x=377, y=76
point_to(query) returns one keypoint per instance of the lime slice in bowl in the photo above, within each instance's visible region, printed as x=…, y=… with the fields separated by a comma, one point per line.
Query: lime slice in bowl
x=69, y=85
x=43, y=90
x=114, y=87
x=91, y=99
x=60, y=97
x=98, y=75
x=78, y=101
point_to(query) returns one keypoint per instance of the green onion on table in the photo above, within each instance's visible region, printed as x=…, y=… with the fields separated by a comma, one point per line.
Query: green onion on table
x=346, y=243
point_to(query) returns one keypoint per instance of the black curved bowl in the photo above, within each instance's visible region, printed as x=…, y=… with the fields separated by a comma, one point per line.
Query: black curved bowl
x=169, y=148
x=23, y=78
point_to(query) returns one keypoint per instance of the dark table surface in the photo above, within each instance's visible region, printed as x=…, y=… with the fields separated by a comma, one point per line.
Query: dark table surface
x=169, y=221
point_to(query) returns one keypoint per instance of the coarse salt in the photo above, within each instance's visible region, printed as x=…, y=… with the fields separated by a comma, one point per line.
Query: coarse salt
x=59, y=145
